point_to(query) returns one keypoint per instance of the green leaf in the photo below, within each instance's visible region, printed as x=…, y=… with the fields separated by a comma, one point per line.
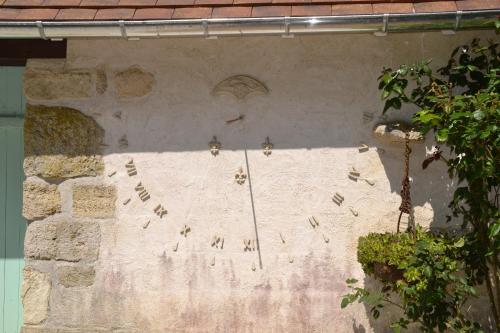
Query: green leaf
x=351, y=281
x=442, y=135
x=459, y=243
x=345, y=302
x=478, y=115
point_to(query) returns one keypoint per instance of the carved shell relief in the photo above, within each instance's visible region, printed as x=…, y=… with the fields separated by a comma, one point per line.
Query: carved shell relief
x=240, y=86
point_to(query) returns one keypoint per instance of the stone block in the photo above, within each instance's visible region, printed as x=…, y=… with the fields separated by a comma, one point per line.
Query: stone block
x=40, y=200
x=49, y=80
x=396, y=133
x=40, y=241
x=61, y=142
x=35, y=296
x=133, y=82
x=62, y=240
x=77, y=241
x=94, y=201
x=76, y=276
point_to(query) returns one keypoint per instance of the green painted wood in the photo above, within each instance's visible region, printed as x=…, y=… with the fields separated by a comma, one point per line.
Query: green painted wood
x=12, y=224
x=12, y=100
x=15, y=230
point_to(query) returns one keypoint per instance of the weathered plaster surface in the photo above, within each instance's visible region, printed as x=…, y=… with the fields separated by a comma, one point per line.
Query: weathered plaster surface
x=321, y=89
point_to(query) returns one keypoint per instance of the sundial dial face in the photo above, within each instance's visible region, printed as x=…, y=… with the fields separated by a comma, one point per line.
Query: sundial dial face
x=236, y=199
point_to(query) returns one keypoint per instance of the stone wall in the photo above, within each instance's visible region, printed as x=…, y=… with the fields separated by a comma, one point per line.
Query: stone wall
x=189, y=185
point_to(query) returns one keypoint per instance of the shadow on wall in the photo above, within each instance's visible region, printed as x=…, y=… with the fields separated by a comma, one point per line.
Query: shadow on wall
x=316, y=102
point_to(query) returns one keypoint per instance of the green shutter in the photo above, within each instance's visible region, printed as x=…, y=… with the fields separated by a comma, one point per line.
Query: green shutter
x=12, y=224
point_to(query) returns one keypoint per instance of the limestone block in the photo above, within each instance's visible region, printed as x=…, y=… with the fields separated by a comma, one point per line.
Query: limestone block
x=61, y=142
x=101, y=80
x=77, y=241
x=40, y=200
x=49, y=80
x=62, y=240
x=40, y=241
x=133, y=82
x=396, y=133
x=76, y=276
x=35, y=296
x=94, y=201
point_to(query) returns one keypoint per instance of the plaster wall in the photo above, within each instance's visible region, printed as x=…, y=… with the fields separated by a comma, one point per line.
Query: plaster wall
x=155, y=279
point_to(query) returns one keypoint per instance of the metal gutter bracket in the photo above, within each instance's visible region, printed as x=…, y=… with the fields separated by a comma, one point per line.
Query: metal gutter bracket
x=385, y=25
x=41, y=29
x=287, y=33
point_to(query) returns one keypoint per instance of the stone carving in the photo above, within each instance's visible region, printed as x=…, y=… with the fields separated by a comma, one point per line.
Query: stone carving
x=326, y=239
x=240, y=176
x=212, y=263
x=313, y=221
x=35, y=295
x=146, y=224
x=354, y=174
x=233, y=120
x=143, y=194
x=353, y=211
x=133, y=82
x=249, y=245
x=240, y=86
x=160, y=211
x=176, y=247
x=185, y=230
x=282, y=239
x=338, y=199
x=40, y=200
x=131, y=169
x=363, y=148
x=396, y=133
x=217, y=242
x=111, y=174
x=61, y=142
x=215, y=146
x=95, y=201
x=267, y=147
x=126, y=202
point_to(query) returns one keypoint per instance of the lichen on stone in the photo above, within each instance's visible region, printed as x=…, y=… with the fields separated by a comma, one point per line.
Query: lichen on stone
x=61, y=142
x=395, y=132
x=94, y=201
x=40, y=200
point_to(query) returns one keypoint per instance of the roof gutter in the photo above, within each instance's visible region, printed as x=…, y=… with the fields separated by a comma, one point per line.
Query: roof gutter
x=448, y=22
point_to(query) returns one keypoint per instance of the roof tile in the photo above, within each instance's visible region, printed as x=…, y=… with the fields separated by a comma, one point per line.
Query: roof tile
x=137, y=3
x=291, y=1
x=76, y=14
x=23, y=3
x=392, y=8
x=115, y=14
x=8, y=14
x=61, y=3
x=269, y=11
x=478, y=4
x=153, y=13
x=192, y=13
x=437, y=6
x=213, y=2
x=174, y=3
x=234, y=11
x=99, y=3
x=35, y=14
x=312, y=10
x=354, y=9
x=251, y=2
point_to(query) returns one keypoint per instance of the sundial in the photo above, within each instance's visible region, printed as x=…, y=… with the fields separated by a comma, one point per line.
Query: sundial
x=182, y=203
